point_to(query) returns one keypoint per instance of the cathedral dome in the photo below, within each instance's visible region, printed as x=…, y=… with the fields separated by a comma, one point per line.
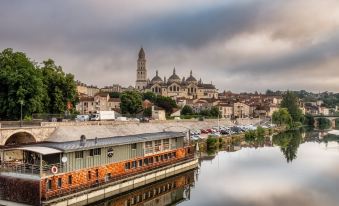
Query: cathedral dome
x=191, y=79
x=156, y=79
x=142, y=54
x=174, y=78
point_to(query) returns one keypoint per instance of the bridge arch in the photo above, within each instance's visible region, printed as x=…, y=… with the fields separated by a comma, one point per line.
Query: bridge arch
x=20, y=137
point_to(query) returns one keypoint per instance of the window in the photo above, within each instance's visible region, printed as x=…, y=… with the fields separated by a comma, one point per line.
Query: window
x=97, y=173
x=79, y=154
x=157, y=146
x=134, y=146
x=166, y=144
x=49, y=184
x=70, y=180
x=59, y=182
x=89, y=176
x=134, y=164
x=96, y=151
x=148, y=147
x=140, y=163
x=127, y=165
x=157, y=159
x=165, y=157
x=146, y=161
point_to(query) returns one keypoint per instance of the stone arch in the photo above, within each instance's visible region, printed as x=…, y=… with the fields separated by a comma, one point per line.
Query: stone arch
x=20, y=137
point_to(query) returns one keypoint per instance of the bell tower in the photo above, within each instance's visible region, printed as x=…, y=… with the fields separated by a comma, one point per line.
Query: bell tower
x=141, y=81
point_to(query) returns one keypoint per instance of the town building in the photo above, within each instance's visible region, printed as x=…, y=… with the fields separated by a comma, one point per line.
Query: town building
x=100, y=102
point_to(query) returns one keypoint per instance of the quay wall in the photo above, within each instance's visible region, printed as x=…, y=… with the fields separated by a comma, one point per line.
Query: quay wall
x=70, y=131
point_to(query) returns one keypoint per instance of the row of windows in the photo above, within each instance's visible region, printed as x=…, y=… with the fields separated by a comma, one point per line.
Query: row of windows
x=149, y=160
x=149, y=194
x=92, y=152
x=70, y=179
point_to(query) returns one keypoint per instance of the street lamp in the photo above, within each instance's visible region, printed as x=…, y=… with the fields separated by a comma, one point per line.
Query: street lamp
x=21, y=103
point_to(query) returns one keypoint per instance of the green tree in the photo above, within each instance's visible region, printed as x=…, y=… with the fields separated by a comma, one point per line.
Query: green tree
x=309, y=120
x=131, y=102
x=324, y=123
x=167, y=103
x=187, y=110
x=250, y=136
x=281, y=117
x=20, y=81
x=114, y=94
x=291, y=102
x=60, y=87
x=150, y=96
x=214, y=112
x=148, y=112
x=205, y=112
x=289, y=142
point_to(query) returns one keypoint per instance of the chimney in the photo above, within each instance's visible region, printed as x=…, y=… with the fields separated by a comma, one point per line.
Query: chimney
x=82, y=140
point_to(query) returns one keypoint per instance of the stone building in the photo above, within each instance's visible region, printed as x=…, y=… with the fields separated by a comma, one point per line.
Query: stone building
x=100, y=102
x=175, y=86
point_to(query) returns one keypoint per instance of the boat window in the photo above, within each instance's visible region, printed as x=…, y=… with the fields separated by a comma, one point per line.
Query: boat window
x=166, y=144
x=49, y=184
x=140, y=163
x=127, y=165
x=134, y=146
x=79, y=154
x=59, y=182
x=146, y=161
x=134, y=164
x=96, y=151
x=70, y=179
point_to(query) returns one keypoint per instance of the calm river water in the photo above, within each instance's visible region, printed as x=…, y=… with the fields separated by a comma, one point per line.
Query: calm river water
x=292, y=168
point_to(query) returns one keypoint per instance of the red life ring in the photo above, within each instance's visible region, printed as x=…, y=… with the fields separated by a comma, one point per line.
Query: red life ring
x=54, y=169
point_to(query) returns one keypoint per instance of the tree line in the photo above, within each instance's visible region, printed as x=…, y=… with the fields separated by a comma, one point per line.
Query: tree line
x=39, y=88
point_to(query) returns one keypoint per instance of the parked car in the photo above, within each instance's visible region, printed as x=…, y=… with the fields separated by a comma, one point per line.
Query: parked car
x=82, y=118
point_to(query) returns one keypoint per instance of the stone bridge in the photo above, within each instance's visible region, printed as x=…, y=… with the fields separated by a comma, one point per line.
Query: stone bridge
x=22, y=135
x=331, y=118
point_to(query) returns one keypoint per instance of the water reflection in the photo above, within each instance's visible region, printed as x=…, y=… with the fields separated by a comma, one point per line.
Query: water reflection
x=298, y=167
x=288, y=142
x=169, y=191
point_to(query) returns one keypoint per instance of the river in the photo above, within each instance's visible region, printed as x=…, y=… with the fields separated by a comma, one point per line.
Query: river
x=291, y=168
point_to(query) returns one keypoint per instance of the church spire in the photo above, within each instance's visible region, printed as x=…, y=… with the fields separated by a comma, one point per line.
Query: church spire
x=174, y=70
x=142, y=53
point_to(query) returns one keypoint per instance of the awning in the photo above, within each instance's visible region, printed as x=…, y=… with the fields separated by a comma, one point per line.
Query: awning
x=38, y=149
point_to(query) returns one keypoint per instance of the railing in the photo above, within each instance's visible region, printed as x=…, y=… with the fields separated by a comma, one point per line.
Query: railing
x=20, y=168
x=130, y=174
x=30, y=169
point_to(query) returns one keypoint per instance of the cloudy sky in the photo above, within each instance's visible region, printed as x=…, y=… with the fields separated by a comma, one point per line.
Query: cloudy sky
x=239, y=45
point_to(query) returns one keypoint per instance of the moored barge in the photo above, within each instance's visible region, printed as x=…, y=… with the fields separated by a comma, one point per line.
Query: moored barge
x=83, y=171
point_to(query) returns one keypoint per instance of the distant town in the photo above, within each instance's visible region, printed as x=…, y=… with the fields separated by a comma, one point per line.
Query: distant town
x=198, y=96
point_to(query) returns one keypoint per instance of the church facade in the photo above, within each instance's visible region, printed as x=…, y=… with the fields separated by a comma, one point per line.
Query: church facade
x=174, y=86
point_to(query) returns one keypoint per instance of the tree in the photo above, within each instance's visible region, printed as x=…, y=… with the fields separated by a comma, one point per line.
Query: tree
x=150, y=96
x=309, y=120
x=282, y=117
x=60, y=87
x=20, y=80
x=214, y=112
x=289, y=142
x=324, y=123
x=114, y=94
x=167, y=103
x=291, y=102
x=187, y=110
x=148, y=112
x=131, y=102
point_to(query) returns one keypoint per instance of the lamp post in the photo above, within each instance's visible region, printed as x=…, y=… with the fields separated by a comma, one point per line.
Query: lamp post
x=21, y=103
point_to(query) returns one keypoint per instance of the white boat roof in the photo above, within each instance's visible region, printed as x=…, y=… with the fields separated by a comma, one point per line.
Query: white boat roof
x=38, y=149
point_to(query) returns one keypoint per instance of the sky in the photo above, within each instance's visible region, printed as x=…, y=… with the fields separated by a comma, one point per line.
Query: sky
x=238, y=45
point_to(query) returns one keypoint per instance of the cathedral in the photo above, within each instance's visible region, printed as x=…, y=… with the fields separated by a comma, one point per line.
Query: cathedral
x=174, y=86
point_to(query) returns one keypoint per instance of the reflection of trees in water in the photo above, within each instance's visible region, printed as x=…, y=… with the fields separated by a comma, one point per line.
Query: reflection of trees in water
x=289, y=142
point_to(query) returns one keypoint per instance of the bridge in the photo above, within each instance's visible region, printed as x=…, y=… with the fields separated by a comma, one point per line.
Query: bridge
x=332, y=118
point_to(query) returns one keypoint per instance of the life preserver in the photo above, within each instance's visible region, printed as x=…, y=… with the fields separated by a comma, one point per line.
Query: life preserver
x=54, y=169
